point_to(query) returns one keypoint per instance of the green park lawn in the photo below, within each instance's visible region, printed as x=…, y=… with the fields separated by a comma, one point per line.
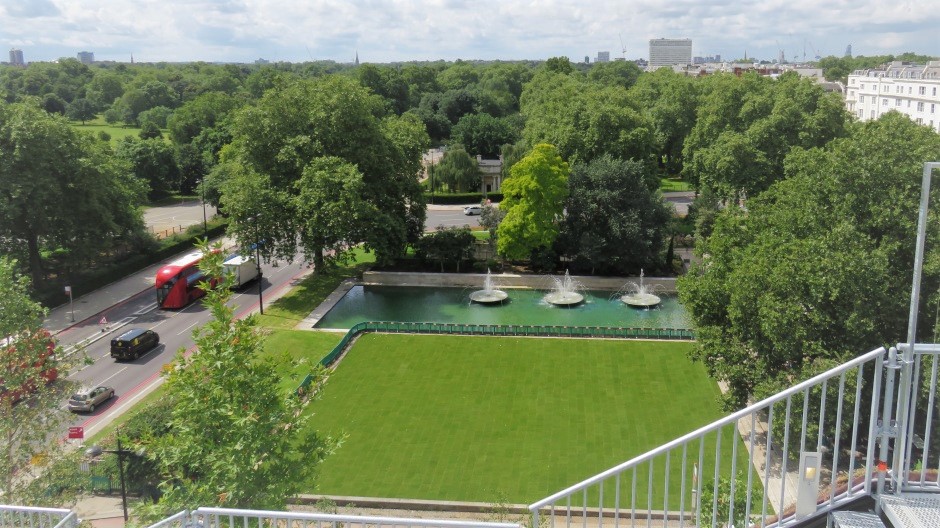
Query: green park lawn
x=499, y=419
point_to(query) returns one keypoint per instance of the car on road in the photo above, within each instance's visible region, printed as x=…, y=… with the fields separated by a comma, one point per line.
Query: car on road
x=471, y=210
x=133, y=343
x=86, y=400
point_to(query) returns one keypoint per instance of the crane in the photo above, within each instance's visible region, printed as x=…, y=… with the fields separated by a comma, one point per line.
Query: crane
x=815, y=53
x=622, y=47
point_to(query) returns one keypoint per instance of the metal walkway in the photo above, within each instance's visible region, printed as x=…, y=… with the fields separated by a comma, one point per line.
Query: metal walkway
x=912, y=510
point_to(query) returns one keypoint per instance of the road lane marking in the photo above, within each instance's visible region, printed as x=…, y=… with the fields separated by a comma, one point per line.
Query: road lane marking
x=187, y=328
x=146, y=309
x=111, y=376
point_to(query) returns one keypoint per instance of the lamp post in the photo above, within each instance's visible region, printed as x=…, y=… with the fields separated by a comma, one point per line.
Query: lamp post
x=95, y=451
x=202, y=192
x=254, y=220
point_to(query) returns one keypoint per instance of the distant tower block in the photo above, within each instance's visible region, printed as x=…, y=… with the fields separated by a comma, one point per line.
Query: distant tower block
x=848, y=51
x=670, y=52
x=16, y=57
x=86, y=57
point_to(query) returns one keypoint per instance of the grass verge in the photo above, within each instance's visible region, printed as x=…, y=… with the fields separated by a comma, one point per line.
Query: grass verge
x=303, y=298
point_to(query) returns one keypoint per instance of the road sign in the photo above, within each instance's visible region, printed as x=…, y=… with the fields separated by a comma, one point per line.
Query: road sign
x=103, y=320
x=76, y=433
x=68, y=290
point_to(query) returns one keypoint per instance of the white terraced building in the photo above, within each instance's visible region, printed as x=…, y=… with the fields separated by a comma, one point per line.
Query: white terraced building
x=912, y=89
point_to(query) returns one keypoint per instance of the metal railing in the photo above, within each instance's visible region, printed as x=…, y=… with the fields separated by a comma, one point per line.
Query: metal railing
x=917, y=455
x=30, y=517
x=505, y=330
x=787, y=458
x=224, y=517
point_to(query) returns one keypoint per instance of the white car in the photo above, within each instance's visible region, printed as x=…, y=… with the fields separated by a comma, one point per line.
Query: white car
x=471, y=210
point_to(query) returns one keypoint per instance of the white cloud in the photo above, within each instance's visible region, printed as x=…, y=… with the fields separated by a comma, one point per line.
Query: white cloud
x=400, y=30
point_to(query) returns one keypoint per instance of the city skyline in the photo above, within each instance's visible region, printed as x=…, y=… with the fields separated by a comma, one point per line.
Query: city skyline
x=401, y=30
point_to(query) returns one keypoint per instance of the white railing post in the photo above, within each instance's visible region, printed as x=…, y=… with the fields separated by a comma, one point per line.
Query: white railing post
x=904, y=391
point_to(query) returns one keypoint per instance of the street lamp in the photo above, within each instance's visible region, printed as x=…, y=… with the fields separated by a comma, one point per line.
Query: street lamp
x=202, y=192
x=254, y=220
x=95, y=450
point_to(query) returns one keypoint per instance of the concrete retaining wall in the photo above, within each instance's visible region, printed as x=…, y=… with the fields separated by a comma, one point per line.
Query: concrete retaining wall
x=510, y=280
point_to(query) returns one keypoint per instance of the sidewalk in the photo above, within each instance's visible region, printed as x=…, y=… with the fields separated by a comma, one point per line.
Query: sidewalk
x=101, y=511
x=91, y=305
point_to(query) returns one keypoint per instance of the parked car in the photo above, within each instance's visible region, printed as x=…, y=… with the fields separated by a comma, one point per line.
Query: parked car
x=133, y=343
x=471, y=210
x=86, y=400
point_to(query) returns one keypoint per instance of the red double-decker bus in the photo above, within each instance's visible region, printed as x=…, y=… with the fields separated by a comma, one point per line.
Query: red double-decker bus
x=177, y=283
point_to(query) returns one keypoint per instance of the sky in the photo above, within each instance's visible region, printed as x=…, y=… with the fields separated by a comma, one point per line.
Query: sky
x=383, y=31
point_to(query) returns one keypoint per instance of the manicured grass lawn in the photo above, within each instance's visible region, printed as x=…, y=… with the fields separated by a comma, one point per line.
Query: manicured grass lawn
x=481, y=418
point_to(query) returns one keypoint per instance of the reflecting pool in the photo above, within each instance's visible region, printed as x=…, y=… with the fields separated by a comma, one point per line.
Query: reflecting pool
x=524, y=307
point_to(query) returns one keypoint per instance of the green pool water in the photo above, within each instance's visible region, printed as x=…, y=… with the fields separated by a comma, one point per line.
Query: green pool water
x=524, y=307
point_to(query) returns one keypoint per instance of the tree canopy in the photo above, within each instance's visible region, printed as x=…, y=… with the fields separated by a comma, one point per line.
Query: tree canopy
x=295, y=124
x=614, y=224
x=235, y=438
x=817, y=268
x=29, y=429
x=533, y=198
x=60, y=188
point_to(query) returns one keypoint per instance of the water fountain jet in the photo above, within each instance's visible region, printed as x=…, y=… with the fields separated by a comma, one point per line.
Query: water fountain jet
x=642, y=297
x=564, y=293
x=488, y=295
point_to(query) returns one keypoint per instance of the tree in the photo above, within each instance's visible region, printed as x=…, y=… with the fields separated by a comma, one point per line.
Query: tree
x=104, y=88
x=670, y=100
x=613, y=224
x=458, y=171
x=249, y=446
x=30, y=429
x=482, y=134
x=559, y=65
x=60, y=188
x=80, y=110
x=448, y=244
x=299, y=122
x=757, y=121
x=584, y=120
x=533, y=197
x=53, y=104
x=158, y=115
x=618, y=73
x=812, y=271
x=154, y=162
x=330, y=207
x=150, y=130
x=205, y=111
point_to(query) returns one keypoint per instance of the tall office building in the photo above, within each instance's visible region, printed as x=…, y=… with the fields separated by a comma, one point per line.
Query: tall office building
x=670, y=52
x=602, y=56
x=16, y=57
x=86, y=57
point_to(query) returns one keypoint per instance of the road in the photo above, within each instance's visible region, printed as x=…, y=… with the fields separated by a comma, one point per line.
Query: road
x=167, y=219
x=175, y=327
x=448, y=216
x=452, y=215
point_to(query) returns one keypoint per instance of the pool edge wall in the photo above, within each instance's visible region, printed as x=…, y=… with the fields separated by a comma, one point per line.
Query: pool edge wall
x=507, y=280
